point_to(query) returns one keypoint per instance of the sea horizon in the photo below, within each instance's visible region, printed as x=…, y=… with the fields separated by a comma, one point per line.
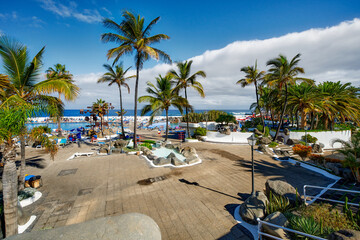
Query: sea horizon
x=129, y=112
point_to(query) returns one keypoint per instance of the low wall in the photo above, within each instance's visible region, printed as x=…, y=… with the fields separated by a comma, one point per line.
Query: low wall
x=325, y=137
x=192, y=126
x=234, y=137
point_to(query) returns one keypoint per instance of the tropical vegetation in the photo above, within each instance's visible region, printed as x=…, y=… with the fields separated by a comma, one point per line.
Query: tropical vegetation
x=187, y=80
x=134, y=36
x=161, y=97
x=100, y=108
x=117, y=76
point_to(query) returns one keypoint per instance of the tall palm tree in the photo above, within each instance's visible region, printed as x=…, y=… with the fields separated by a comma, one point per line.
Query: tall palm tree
x=117, y=76
x=4, y=85
x=100, y=108
x=12, y=122
x=161, y=97
x=253, y=76
x=283, y=73
x=132, y=35
x=24, y=85
x=185, y=80
x=59, y=72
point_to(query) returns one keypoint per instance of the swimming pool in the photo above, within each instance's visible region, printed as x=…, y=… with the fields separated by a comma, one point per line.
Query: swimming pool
x=164, y=152
x=64, y=126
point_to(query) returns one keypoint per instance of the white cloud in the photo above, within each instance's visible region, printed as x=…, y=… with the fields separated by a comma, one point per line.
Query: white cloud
x=70, y=10
x=328, y=54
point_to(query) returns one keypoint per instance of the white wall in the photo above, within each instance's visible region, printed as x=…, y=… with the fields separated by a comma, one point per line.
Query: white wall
x=325, y=137
x=192, y=126
x=234, y=137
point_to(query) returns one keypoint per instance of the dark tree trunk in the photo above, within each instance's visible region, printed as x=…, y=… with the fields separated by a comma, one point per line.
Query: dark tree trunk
x=282, y=114
x=23, y=163
x=121, y=117
x=10, y=188
x=167, y=124
x=272, y=119
x=187, y=117
x=297, y=120
x=312, y=120
x=58, y=119
x=136, y=96
x=258, y=107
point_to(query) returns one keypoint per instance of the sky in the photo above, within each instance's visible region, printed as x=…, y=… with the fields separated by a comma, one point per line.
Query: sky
x=219, y=36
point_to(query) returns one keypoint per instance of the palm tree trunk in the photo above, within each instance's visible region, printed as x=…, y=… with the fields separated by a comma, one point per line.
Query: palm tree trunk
x=167, y=124
x=258, y=107
x=58, y=119
x=136, y=95
x=187, y=117
x=121, y=116
x=312, y=120
x=272, y=118
x=282, y=114
x=10, y=188
x=23, y=163
x=303, y=119
x=297, y=119
x=101, y=125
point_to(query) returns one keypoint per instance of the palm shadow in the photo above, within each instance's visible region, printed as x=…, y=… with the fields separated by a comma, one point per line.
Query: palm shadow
x=36, y=161
x=210, y=189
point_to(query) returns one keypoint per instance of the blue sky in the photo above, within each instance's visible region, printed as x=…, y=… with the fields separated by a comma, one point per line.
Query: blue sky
x=71, y=30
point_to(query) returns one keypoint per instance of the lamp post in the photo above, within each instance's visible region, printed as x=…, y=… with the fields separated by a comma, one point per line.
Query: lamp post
x=252, y=141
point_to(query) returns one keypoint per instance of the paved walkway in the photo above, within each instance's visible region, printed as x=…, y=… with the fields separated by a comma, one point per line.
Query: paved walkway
x=188, y=203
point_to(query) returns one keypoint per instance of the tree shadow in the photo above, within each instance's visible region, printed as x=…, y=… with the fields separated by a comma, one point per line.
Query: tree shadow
x=210, y=189
x=36, y=161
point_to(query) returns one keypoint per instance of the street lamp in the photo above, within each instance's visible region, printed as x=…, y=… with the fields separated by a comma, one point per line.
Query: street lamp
x=252, y=141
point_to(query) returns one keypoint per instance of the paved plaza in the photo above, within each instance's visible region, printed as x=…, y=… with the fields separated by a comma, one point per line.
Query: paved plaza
x=195, y=202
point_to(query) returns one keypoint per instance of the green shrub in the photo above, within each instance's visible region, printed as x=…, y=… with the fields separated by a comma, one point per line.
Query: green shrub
x=307, y=225
x=149, y=141
x=260, y=127
x=277, y=203
x=202, y=117
x=309, y=139
x=200, y=131
x=146, y=144
x=226, y=118
x=273, y=144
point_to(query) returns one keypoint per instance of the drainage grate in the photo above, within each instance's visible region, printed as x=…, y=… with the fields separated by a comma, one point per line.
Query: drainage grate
x=85, y=191
x=67, y=172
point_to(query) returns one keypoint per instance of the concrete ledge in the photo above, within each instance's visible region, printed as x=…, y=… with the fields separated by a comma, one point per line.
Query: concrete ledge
x=128, y=226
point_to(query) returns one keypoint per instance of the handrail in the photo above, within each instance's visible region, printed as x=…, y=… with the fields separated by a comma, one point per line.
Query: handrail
x=328, y=199
x=260, y=222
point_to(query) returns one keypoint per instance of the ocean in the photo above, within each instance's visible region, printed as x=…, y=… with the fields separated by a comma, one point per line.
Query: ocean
x=172, y=112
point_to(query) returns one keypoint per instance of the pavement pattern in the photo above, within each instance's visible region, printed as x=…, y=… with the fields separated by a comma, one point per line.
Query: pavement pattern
x=196, y=202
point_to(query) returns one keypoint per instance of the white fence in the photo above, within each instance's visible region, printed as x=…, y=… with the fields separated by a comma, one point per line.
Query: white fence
x=325, y=137
x=234, y=137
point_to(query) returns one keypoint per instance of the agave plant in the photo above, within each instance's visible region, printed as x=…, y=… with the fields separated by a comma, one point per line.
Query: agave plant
x=351, y=151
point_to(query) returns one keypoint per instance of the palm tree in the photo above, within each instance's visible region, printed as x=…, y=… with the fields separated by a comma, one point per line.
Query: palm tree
x=185, y=80
x=282, y=73
x=117, y=76
x=253, y=76
x=351, y=150
x=100, y=108
x=4, y=85
x=24, y=85
x=302, y=99
x=132, y=35
x=12, y=122
x=338, y=100
x=161, y=97
x=60, y=73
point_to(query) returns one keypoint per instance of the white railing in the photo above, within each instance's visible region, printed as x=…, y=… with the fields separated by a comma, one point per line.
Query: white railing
x=260, y=223
x=327, y=199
